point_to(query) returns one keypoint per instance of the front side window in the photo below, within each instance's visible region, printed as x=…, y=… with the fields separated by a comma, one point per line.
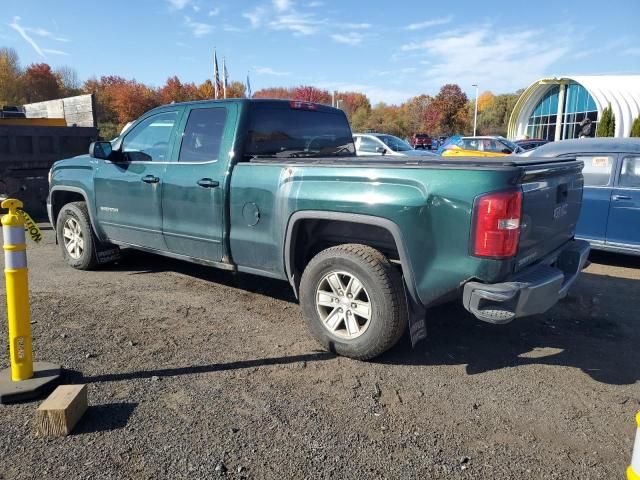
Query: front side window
x=149, y=140
x=203, y=135
x=597, y=170
x=395, y=144
x=630, y=173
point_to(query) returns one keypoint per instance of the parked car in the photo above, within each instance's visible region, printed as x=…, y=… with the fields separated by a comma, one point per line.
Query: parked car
x=610, y=217
x=531, y=143
x=272, y=188
x=479, y=147
x=384, y=144
x=421, y=140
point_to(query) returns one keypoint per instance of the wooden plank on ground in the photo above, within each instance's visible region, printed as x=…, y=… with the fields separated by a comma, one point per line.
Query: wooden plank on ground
x=60, y=412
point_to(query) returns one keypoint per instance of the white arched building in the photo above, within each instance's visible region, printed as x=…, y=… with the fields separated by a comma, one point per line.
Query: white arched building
x=552, y=108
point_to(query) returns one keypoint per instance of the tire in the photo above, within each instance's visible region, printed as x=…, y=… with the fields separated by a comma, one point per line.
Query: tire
x=74, y=219
x=330, y=315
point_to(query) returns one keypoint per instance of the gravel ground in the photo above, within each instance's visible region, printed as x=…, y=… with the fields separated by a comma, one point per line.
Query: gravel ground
x=197, y=373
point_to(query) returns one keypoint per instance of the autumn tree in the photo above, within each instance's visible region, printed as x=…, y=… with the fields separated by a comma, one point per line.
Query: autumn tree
x=451, y=102
x=274, y=92
x=68, y=80
x=414, y=111
x=40, y=83
x=311, y=94
x=494, y=118
x=485, y=99
x=236, y=90
x=352, y=101
x=131, y=99
x=635, y=128
x=10, y=82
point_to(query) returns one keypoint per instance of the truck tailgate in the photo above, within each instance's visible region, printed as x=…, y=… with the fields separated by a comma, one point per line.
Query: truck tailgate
x=552, y=196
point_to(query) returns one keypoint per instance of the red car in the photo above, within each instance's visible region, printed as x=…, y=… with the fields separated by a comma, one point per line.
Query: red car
x=421, y=140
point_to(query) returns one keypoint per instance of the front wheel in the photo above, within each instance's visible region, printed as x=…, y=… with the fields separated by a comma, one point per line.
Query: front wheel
x=353, y=301
x=76, y=237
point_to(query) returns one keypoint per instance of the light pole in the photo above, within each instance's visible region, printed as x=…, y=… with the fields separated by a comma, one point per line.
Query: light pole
x=475, y=115
x=338, y=103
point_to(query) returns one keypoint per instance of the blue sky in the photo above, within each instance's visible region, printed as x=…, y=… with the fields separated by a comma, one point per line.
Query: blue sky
x=388, y=50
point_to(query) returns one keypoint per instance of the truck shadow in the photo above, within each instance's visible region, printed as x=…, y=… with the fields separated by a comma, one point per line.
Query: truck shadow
x=139, y=263
x=594, y=329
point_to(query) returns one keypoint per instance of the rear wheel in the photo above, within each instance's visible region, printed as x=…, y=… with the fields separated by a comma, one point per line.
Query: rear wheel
x=76, y=237
x=353, y=301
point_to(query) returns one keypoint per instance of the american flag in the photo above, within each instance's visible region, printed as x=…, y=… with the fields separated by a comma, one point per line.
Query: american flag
x=216, y=76
x=248, y=86
x=225, y=76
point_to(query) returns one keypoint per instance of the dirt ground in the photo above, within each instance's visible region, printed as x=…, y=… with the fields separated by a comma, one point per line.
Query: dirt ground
x=197, y=373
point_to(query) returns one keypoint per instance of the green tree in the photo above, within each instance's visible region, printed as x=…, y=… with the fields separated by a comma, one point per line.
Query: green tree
x=635, y=128
x=493, y=119
x=607, y=123
x=11, y=92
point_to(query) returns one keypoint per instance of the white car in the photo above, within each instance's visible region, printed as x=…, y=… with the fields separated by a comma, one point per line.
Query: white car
x=383, y=144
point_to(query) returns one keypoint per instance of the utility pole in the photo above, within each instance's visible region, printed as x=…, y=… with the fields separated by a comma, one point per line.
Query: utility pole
x=475, y=115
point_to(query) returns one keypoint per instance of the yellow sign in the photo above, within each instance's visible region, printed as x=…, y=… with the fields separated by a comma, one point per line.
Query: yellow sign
x=32, y=227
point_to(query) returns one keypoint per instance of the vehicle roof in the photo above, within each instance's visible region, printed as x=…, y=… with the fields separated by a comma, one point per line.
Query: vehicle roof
x=483, y=137
x=376, y=134
x=273, y=101
x=589, y=145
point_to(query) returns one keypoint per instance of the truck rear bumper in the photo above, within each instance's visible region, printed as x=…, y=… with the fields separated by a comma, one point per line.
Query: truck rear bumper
x=531, y=291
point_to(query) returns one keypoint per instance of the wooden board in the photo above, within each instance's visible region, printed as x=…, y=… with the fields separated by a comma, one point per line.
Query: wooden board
x=60, y=412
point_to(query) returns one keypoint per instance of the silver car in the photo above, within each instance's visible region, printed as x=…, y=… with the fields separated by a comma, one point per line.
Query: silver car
x=383, y=144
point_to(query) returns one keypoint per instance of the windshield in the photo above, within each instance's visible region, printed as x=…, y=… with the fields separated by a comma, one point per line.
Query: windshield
x=288, y=132
x=394, y=143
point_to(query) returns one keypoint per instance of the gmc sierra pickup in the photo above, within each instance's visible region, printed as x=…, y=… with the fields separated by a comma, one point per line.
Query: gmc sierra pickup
x=273, y=188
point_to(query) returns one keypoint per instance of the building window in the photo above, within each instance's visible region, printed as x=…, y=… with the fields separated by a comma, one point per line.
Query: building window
x=578, y=106
x=542, y=122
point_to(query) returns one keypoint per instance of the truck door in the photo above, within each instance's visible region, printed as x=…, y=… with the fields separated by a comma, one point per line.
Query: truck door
x=128, y=190
x=623, y=227
x=598, y=181
x=194, y=189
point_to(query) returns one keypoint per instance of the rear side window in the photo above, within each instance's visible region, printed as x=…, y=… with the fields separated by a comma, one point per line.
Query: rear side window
x=597, y=170
x=203, y=135
x=290, y=132
x=630, y=173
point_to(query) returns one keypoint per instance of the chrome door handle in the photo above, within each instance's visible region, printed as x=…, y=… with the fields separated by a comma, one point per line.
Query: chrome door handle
x=208, y=183
x=620, y=197
x=150, y=179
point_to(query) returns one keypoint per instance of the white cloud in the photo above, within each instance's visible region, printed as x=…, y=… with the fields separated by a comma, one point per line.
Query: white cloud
x=298, y=23
x=357, y=26
x=270, y=71
x=282, y=5
x=633, y=51
x=351, y=38
x=178, y=4
x=55, y=52
x=195, y=8
x=232, y=28
x=499, y=59
x=198, y=29
x=315, y=4
x=41, y=32
x=430, y=23
x=213, y=12
x=23, y=33
x=255, y=16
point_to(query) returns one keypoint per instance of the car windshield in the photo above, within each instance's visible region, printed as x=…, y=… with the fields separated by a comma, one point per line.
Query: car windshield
x=394, y=143
x=288, y=132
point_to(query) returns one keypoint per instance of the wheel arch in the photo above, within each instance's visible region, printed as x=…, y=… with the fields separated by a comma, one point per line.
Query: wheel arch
x=62, y=195
x=294, y=231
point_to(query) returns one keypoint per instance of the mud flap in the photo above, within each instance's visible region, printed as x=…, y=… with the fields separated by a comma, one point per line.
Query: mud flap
x=107, y=254
x=417, y=323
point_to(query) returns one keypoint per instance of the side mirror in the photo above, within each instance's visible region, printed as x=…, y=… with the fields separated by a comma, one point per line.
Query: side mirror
x=507, y=151
x=381, y=150
x=100, y=150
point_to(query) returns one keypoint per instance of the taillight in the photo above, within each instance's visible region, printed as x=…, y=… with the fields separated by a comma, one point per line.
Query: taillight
x=497, y=224
x=298, y=105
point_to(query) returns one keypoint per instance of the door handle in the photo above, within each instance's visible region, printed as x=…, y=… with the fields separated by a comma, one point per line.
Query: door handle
x=150, y=179
x=208, y=183
x=620, y=197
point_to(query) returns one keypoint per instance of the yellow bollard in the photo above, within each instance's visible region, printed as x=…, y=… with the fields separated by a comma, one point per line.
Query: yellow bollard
x=17, y=281
x=24, y=379
x=633, y=472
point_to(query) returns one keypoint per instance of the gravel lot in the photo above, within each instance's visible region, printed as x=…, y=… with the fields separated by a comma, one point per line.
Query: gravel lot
x=190, y=369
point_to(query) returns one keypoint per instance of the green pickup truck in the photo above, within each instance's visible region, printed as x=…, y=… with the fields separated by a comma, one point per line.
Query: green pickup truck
x=273, y=188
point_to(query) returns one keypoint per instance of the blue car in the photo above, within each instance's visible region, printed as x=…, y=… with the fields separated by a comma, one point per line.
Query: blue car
x=610, y=216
